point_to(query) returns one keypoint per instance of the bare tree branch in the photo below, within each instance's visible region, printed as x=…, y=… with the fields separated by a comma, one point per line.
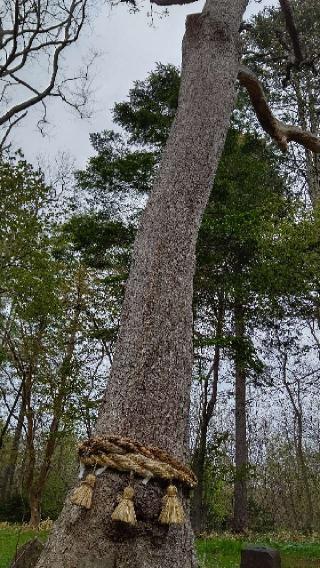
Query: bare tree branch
x=292, y=30
x=278, y=130
x=6, y=135
x=37, y=32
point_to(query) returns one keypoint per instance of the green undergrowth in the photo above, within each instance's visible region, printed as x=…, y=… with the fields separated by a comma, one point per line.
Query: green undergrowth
x=214, y=551
x=12, y=537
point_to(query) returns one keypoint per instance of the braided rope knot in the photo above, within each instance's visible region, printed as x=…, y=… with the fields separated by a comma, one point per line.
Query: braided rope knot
x=124, y=454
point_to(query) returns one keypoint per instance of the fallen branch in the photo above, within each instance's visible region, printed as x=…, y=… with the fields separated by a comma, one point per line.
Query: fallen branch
x=281, y=133
x=172, y=2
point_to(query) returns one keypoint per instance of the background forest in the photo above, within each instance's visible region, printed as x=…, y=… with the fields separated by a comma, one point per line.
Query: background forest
x=65, y=245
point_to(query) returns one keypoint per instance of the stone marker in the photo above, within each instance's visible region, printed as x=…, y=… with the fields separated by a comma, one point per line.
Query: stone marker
x=260, y=557
x=28, y=554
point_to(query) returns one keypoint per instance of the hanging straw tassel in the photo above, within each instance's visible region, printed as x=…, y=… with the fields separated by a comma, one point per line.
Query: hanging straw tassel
x=172, y=512
x=82, y=495
x=125, y=512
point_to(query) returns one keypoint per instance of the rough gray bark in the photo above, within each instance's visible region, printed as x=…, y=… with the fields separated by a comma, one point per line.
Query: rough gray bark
x=148, y=392
x=27, y=555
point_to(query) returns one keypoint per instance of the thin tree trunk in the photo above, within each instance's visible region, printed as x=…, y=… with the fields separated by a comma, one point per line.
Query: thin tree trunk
x=240, y=514
x=148, y=393
x=30, y=435
x=8, y=473
x=198, y=509
x=35, y=509
x=308, y=119
x=6, y=425
x=309, y=517
x=38, y=484
x=287, y=481
x=300, y=452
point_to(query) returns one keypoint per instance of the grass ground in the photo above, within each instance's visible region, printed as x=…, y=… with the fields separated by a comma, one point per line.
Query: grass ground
x=224, y=551
x=214, y=552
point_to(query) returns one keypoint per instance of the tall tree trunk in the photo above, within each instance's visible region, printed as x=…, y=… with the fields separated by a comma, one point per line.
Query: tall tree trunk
x=30, y=468
x=198, y=508
x=240, y=513
x=148, y=393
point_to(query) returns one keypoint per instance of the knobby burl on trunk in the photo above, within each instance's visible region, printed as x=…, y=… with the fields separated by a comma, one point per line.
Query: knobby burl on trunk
x=147, y=396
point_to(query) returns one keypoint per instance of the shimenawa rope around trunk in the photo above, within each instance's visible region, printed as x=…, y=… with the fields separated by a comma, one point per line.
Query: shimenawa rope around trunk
x=126, y=455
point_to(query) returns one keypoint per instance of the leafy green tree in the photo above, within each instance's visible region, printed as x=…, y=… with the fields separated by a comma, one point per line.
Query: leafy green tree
x=51, y=357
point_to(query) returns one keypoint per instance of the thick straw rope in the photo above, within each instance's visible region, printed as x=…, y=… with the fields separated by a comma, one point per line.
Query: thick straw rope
x=124, y=454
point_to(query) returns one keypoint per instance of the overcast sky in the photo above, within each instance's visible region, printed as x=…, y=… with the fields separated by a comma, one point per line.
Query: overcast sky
x=130, y=46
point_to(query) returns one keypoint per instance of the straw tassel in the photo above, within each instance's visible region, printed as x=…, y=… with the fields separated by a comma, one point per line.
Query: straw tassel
x=125, y=512
x=172, y=512
x=82, y=495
